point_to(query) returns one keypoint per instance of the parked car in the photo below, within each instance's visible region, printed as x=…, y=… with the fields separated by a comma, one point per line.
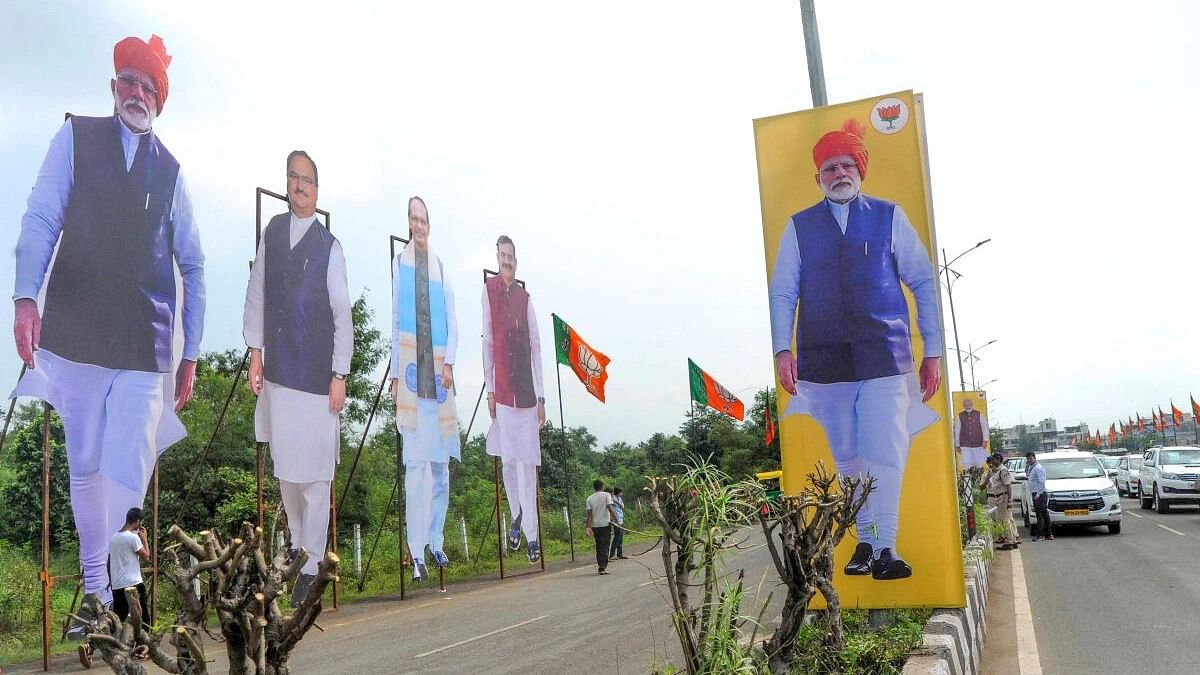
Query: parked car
x=1110, y=466
x=1168, y=477
x=1016, y=467
x=1127, y=475
x=1080, y=492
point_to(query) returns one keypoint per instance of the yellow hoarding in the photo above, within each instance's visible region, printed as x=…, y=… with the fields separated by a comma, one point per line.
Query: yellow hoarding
x=857, y=338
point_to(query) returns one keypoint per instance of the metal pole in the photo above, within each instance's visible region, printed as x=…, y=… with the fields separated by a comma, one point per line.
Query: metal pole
x=258, y=476
x=566, y=463
x=499, y=523
x=971, y=356
x=954, y=321
x=45, y=572
x=333, y=531
x=812, y=49
x=537, y=477
x=12, y=403
x=401, y=508
x=154, y=551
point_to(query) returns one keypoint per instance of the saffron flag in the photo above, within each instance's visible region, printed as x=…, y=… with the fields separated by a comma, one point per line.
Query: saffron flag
x=1195, y=408
x=769, y=434
x=590, y=366
x=1162, y=417
x=1141, y=423
x=1112, y=435
x=1177, y=415
x=1154, y=420
x=709, y=392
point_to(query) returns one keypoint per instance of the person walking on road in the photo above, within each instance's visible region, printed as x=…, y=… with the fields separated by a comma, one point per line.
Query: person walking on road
x=617, y=550
x=998, y=486
x=600, y=516
x=1041, y=499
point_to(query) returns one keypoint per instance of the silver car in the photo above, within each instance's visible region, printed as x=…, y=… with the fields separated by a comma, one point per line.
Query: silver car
x=1016, y=467
x=1128, y=479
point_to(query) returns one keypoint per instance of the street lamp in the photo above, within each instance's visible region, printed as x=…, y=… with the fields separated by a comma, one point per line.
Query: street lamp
x=950, y=292
x=985, y=384
x=971, y=356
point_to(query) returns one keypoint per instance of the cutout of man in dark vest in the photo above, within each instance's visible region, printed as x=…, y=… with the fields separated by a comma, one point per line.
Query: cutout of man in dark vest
x=841, y=262
x=297, y=325
x=424, y=342
x=113, y=199
x=971, y=435
x=512, y=371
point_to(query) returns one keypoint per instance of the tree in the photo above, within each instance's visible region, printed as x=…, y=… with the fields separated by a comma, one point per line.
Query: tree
x=20, y=519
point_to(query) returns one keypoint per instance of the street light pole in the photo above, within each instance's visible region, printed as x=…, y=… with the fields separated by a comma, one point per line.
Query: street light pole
x=962, y=381
x=812, y=49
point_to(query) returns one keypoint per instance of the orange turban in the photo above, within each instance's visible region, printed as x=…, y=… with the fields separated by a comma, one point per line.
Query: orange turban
x=150, y=58
x=847, y=141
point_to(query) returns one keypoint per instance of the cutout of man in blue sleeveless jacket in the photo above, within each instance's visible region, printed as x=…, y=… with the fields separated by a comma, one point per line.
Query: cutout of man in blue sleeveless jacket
x=298, y=327
x=841, y=263
x=113, y=200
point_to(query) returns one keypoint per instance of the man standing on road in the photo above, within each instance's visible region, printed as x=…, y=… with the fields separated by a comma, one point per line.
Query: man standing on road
x=424, y=342
x=841, y=263
x=600, y=517
x=298, y=327
x=113, y=199
x=617, y=550
x=1036, y=484
x=971, y=435
x=512, y=371
x=998, y=486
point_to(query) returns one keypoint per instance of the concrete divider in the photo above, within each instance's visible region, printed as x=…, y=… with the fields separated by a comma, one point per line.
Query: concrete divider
x=953, y=639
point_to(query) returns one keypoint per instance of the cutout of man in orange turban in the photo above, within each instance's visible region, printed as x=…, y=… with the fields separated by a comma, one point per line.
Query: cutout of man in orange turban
x=151, y=58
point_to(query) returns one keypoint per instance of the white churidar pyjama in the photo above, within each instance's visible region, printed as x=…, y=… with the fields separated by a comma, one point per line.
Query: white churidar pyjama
x=514, y=437
x=307, y=508
x=116, y=424
x=866, y=425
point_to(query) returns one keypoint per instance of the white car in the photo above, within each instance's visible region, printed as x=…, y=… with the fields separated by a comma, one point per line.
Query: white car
x=1016, y=467
x=1168, y=477
x=1128, y=471
x=1081, y=493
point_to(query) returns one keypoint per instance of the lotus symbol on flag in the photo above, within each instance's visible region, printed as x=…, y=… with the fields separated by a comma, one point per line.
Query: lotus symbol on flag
x=889, y=114
x=724, y=393
x=589, y=364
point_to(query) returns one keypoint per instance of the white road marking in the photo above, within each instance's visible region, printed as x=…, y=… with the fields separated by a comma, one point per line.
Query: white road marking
x=1135, y=515
x=1027, y=652
x=480, y=637
x=1171, y=530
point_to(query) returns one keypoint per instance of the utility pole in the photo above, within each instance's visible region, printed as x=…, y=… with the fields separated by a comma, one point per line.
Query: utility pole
x=812, y=49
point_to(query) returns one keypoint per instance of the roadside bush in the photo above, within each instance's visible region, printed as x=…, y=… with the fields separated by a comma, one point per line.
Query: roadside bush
x=19, y=588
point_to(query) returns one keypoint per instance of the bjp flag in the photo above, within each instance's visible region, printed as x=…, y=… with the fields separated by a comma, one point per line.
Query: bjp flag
x=709, y=392
x=589, y=365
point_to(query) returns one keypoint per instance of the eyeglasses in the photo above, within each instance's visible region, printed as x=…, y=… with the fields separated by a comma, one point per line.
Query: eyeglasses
x=306, y=180
x=844, y=166
x=418, y=219
x=132, y=82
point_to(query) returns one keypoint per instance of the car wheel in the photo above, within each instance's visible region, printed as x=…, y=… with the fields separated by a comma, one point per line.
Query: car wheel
x=1145, y=501
x=1159, y=505
x=1114, y=528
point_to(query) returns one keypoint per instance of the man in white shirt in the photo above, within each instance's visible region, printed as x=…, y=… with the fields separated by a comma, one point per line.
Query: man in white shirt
x=298, y=327
x=126, y=551
x=600, y=517
x=512, y=371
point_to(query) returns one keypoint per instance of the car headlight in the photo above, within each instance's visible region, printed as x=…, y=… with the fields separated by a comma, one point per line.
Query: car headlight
x=1108, y=491
x=1169, y=476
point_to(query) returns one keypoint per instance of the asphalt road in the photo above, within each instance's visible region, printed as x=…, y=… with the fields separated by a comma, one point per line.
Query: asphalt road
x=566, y=620
x=1122, y=603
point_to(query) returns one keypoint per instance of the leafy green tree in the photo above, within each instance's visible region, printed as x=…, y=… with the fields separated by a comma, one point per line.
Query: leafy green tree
x=21, y=515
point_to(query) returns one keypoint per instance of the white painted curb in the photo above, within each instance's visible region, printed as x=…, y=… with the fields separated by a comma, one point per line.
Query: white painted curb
x=953, y=639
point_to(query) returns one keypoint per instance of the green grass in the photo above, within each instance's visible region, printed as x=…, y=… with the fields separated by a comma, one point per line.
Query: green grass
x=867, y=652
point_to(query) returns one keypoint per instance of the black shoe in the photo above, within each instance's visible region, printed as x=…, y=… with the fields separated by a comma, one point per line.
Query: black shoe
x=887, y=566
x=534, y=552
x=300, y=589
x=514, y=534
x=860, y=562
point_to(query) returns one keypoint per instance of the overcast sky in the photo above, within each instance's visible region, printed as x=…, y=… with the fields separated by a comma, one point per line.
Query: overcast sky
x=613, y=143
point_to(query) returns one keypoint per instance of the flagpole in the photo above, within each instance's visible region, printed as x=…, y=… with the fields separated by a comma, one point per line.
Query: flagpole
x=566, y=464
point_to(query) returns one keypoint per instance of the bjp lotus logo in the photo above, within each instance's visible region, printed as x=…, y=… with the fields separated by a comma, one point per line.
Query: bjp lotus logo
x=589, y=364
x=889, y=114
x=724, y=394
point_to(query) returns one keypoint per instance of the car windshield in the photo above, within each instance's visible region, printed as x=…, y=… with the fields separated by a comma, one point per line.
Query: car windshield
x=1072, y=467
x=1111, y=462
x=1135, y=462
x=1184, y=456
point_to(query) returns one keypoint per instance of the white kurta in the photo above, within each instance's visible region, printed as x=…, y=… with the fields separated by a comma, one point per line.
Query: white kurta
x=299, y=426
x=515, y=434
